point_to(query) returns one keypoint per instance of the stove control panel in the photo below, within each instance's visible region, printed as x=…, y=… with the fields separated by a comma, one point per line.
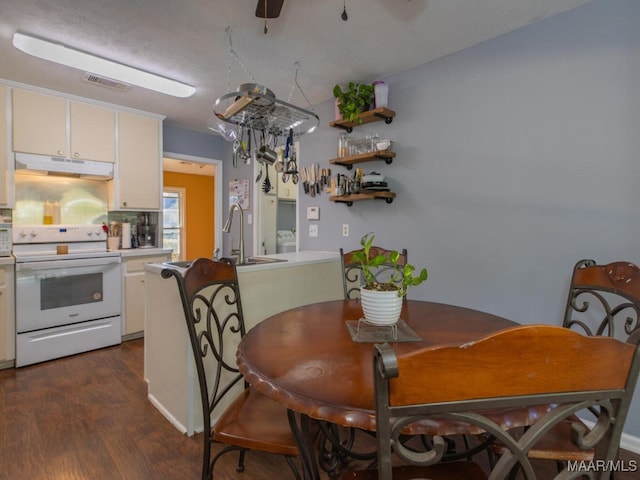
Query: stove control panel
x=6, y=240
x=27, y=234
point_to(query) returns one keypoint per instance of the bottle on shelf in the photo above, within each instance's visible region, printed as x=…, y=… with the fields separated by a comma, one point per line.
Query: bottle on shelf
x=343, y=144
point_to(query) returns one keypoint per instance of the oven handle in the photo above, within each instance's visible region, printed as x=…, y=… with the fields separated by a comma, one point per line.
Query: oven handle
x=78, y=262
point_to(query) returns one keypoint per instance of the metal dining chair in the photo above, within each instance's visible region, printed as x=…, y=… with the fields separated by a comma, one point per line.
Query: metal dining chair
x=603, y=300
x=352, y=278
x=532, y=366
x=233, y=413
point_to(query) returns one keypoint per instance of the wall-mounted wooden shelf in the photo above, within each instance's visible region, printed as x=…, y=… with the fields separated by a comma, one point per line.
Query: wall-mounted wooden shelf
x=356, y=197
x=350, y=160
x=375, y=115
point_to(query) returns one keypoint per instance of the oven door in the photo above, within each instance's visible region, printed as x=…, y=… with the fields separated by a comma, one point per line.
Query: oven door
x=62, y=292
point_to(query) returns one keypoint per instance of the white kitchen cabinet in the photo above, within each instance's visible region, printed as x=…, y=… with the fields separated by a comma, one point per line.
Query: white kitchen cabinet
x=134, y=292
x=5, y=178
x=93, y=132
x=39, y=123
x=138, y=185
x=50, y=125
x=7, y=316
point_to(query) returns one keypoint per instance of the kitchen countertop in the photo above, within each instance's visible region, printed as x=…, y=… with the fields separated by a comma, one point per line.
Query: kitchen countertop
x=292, y=259
x=143, y=252
x=7, y=260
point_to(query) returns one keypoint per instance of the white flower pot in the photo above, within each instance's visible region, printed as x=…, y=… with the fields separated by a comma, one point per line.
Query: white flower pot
x=380, y=308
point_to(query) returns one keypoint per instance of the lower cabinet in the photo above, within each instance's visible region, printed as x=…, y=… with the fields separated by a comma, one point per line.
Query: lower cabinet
x=134, y=293
x=7, y=316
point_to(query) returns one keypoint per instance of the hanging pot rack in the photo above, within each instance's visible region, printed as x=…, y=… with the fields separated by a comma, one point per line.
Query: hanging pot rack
x=256, y=107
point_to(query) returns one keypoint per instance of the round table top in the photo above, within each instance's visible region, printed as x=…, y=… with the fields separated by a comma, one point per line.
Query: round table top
x=306, y=359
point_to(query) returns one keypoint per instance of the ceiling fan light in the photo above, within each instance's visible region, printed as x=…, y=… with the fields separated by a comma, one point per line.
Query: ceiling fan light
x=63, y=55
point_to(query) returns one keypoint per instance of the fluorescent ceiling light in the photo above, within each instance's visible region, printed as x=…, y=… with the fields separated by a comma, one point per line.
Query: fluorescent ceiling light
x=58, y=53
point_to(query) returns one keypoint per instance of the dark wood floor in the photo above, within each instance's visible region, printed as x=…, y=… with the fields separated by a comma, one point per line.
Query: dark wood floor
x=87, y=417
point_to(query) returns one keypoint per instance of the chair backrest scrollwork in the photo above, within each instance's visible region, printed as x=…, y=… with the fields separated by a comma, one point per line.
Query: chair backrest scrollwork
x=213, y=312
x=604, y=300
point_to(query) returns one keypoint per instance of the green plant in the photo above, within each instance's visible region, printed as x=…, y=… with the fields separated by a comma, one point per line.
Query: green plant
x=399, y=277
x=354, y=100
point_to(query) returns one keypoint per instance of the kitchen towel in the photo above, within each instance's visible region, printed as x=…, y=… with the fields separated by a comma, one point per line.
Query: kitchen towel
x=126, y=235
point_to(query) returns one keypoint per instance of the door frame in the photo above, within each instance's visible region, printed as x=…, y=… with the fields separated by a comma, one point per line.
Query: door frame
x=218, y=194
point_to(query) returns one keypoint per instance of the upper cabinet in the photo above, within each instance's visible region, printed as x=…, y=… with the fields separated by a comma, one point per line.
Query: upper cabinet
x=4, y=147
x=39, y=123
x=138, y=186
x=49, y=125
x=93, y=132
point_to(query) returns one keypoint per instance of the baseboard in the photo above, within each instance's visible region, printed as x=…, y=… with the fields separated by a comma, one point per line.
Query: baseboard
x=7, y=364
x=630, y=443
x=132, y=336
x=165, y=413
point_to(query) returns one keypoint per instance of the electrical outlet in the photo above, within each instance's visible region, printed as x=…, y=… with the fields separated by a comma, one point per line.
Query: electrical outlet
x=313, y=230
x=345, y=230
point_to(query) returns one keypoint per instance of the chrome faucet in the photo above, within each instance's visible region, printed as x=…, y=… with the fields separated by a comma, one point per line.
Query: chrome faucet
x=227, y=228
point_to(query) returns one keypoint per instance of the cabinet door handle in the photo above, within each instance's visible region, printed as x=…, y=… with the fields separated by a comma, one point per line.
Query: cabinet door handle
x=124, y=204
x=60, y=152
x=76, y=154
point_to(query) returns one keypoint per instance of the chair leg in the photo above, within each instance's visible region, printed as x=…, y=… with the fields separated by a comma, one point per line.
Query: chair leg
x=240, y=467
x=208, y=473
x=293, y=467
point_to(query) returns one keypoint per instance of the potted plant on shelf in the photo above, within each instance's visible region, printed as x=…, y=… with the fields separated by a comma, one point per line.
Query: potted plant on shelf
x=381, y=297
x=356, y=99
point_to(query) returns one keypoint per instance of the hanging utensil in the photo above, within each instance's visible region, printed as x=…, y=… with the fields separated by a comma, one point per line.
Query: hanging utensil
x=292, y=165
x=266, y=186
x=247, y=150
x=259, y=174
x=234, y=156
x=280, y=164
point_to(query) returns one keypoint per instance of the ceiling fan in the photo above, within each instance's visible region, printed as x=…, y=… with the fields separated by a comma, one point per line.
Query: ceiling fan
x=268, y=8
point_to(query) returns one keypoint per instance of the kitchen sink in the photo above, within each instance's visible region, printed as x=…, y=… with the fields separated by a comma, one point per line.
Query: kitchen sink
x=181, y=263
x=260, y=260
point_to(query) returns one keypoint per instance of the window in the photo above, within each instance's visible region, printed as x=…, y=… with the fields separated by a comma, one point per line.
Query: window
x=173, y=233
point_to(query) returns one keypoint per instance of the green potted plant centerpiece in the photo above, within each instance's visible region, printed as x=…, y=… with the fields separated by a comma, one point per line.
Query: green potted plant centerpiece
x=381, y=296
x=356, y=98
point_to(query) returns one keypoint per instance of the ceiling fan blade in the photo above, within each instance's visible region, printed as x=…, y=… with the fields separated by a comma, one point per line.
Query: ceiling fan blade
x=273, y=8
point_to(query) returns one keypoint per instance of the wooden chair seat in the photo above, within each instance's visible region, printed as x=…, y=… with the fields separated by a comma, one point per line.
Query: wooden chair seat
x=256, y=422
x=441, y=471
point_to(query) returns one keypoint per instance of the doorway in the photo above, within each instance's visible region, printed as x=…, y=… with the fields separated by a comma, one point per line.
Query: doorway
x=201, y=181
x=276, y=225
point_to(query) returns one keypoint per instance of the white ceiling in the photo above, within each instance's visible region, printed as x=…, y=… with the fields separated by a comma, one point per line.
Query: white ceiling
x=186, y=40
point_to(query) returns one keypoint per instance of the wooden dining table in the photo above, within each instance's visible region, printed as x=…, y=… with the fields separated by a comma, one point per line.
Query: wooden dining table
x=307, y=359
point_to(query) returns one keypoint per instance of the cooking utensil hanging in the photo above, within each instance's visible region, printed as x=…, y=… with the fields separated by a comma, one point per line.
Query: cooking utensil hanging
x=246, y=153
x=266, y=186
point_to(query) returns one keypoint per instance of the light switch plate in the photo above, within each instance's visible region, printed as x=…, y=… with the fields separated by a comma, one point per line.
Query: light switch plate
x=313, y=213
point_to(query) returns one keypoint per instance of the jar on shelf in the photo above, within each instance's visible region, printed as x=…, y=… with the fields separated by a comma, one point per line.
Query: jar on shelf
x=380, y=93
x=343, y=145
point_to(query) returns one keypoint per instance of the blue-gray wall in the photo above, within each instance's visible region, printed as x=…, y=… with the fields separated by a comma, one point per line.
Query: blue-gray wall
x=189, y=142
x=515, y=159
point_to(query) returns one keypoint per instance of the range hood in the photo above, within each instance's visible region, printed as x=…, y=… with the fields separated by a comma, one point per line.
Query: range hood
x=45, y=165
